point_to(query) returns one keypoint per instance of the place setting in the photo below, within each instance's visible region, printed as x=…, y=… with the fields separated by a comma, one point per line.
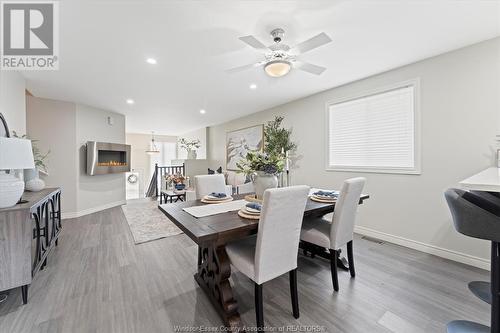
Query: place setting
x=216, y=198
x=250, y=211
x=324, y=196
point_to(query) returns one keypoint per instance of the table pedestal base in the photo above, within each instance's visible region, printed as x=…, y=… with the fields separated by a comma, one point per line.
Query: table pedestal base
x=213, y=275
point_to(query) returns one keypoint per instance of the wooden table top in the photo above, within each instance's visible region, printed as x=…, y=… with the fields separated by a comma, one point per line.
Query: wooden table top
x=229, y=226
x=31, y=198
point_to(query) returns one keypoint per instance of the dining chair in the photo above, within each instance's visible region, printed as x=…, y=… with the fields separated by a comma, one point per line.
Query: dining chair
x=336, y=231
x=206, y=184
x=273, y=251
x=245, y=188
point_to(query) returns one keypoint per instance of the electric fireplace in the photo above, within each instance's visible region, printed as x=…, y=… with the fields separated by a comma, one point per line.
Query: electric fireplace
x=105, y=157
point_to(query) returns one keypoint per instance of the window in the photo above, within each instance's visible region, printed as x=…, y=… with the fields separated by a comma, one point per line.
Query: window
x=375, y=132
x=168, y=152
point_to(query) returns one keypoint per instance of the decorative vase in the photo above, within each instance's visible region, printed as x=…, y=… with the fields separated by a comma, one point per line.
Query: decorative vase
x=33, y=181
x=180, y=186
x=262, y=181
x=191, y=154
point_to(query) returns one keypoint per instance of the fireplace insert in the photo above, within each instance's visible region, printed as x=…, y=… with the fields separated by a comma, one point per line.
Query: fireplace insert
x=105, y=157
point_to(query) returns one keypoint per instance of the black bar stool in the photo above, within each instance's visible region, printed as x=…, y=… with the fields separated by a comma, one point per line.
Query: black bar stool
x=477, y=214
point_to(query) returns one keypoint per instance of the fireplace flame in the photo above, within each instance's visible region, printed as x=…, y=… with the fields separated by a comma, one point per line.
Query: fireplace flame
x=112, y=163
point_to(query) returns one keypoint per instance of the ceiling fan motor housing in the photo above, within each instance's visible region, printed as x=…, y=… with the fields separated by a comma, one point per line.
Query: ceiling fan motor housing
x=277, y=34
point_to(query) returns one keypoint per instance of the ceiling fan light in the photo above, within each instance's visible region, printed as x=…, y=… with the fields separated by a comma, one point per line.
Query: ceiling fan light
x=277, y=68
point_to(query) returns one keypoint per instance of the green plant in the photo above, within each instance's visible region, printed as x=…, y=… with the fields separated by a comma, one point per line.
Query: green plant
x=257, y=161
x=189, y=145
x=276, y=138
x=39, y=157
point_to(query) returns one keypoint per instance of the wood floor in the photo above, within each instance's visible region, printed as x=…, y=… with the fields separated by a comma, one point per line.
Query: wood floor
x=97, y=280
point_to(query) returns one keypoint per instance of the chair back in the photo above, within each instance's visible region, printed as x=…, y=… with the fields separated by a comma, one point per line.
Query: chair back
x=473, y=215
x=279, y=231
x=344, y=215
x=206, y=184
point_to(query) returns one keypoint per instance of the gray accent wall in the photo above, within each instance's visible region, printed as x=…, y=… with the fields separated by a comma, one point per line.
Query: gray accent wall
x=460, y=109
x=64, y=128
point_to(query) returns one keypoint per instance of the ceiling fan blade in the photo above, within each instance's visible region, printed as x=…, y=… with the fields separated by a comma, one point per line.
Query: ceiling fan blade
x=243, y=68
x=312, y=43
x=254, y=42
x=310, y=68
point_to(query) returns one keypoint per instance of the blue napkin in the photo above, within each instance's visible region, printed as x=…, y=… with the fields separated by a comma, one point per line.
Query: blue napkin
x=332, y=194
x=218, y=195
x=254, y=205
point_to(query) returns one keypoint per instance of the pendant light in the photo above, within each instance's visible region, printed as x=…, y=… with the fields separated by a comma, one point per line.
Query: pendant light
x=152, y=147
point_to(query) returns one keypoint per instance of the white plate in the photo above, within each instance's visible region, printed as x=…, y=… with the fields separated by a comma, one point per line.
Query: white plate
x=251, y=211
x=209, y=197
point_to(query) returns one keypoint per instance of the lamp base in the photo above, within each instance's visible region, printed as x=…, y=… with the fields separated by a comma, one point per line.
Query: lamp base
x=11, y=190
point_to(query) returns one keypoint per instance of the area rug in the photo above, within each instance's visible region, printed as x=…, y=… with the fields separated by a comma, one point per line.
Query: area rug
x=147, y=222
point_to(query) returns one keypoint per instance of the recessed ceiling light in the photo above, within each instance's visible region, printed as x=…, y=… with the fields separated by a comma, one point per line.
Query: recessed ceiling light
x=202, y=111
x=130, y=101
x=253, y=86
x=151, y=61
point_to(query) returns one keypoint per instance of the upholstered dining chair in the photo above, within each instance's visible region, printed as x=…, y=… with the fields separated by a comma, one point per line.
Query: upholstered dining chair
x=334, y=231
x=206, y=184
x=273, y=251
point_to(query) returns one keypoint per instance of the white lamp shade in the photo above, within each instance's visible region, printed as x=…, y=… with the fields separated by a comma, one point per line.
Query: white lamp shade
x=16, y=154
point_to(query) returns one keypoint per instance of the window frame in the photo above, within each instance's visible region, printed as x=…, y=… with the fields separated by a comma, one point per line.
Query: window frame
x=417, y=168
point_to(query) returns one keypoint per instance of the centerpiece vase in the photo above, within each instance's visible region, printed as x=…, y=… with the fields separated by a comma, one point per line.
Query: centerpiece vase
x=191, y=154
x=262, y=181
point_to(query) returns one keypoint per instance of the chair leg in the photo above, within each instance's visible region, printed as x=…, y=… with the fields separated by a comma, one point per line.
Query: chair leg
x=333, y=267
x=350, y=258
x=294, y=293
x=259, y=307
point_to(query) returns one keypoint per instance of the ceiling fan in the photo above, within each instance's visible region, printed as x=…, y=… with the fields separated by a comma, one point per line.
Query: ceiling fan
x=280, y=58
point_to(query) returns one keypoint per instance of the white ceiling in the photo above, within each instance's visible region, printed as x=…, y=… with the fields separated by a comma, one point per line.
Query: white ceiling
x=104, y=45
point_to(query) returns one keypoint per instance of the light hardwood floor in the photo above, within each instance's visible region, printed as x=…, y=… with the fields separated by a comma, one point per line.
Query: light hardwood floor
x=97, y=280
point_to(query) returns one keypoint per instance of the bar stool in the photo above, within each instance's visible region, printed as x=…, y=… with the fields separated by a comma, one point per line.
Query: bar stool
x=476, y=216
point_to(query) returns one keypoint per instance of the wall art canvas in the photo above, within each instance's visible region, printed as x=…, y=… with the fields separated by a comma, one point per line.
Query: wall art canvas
x=240, y=142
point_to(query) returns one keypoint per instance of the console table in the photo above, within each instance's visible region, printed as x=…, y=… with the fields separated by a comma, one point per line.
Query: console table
x=28, y=233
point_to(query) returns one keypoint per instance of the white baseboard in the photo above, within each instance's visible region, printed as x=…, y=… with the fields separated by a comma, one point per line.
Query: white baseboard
x=72, y=215
x=426, y=248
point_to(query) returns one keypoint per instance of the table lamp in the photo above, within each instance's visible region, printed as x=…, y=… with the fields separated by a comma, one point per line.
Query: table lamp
x=14, y=154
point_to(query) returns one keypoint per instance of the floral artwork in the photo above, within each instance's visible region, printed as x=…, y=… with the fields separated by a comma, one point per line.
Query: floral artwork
x=240, y=142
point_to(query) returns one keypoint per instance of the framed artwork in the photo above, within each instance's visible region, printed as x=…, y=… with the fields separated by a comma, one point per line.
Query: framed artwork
x=240, y=142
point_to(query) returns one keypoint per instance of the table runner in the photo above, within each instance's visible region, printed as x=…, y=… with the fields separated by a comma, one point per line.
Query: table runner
x=214, y=209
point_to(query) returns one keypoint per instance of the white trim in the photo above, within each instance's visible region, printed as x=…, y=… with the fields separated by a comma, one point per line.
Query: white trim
x=426, y=248
x=72, y=215
x=417, y=170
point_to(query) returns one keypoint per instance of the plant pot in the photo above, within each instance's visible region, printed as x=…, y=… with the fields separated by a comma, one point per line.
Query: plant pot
x=191, y=154
x=33, y=181
x=262, y=181
x=180, y=187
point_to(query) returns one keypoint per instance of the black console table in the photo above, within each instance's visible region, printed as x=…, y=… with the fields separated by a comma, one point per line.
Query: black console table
x=29, y=231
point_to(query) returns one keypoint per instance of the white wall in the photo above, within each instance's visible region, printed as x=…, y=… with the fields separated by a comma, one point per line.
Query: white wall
x=53, y=124
x=12, y=100
x=200, y=134
x=100, y=190
x=460, y=107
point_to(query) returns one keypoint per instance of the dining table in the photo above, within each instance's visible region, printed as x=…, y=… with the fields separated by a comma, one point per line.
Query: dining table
x=211, y=234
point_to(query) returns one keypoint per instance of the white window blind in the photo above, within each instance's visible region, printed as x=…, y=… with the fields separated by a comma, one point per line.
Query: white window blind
x=374, y=132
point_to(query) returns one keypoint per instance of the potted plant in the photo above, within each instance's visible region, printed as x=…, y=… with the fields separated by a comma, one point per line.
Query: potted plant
x=177, y=179
x=190, y=147
x=277, y=140
x=32, y=176
x=263, y=170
